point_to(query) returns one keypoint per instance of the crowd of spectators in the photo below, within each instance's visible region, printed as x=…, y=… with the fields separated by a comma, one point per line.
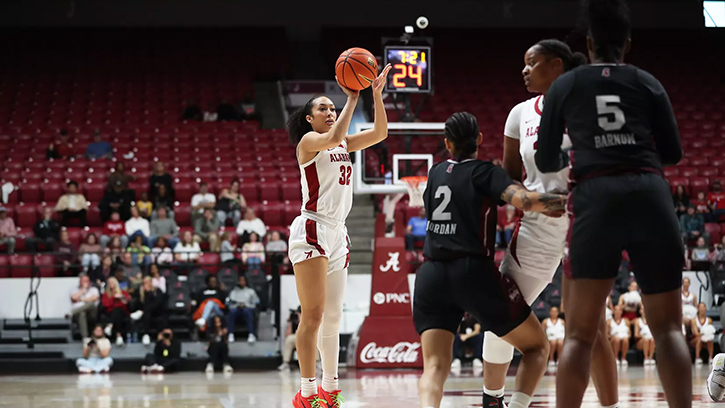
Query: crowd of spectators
x=703, y=252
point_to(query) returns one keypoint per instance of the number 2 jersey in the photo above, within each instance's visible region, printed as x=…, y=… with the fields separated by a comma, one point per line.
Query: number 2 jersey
x=461, y=200
x=619, y=120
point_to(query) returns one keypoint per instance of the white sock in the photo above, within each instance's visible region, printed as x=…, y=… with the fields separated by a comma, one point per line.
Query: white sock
x=329, y=382
x=494, y=393
x=611, y=406
x=520, y=400
x=309, y=387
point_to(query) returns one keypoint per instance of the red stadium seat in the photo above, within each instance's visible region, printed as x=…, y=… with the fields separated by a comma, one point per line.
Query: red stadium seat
x=699, y=161
x=94, y=192
x=182, y=215
x=714, y=231
x=75, y=235
x=675, y=181
x=671, y=172
x=689, y=171
x=4, y=266
x=52, y=191
x=291, y=191
x=184, y=191
x=93, y=216
x=274, y=214
x=21, y=265
x=30, y=192
x=709, y=172
x=46, y=265
x=699, y=184
x=291, y=211
x=26, y=215
x=269, y=189
x=209, y=261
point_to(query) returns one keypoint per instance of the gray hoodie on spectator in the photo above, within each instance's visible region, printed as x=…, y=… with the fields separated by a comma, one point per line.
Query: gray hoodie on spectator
x=243, y=296
x=164, y=227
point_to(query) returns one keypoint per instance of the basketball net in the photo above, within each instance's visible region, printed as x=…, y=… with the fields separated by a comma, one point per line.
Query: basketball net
x=415, y=190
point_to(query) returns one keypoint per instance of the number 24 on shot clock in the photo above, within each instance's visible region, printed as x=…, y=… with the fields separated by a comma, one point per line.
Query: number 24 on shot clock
x=411, y=69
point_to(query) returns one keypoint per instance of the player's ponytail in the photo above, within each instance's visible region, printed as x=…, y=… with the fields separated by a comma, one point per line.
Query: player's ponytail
x=552, y=48
x=462, y=130
x=297, y=124
x=609, y=27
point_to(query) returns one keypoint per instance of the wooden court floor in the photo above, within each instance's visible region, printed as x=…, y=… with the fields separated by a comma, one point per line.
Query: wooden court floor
x=639, y=387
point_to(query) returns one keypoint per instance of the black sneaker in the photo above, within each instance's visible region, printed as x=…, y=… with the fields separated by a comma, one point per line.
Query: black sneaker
x=493, y=402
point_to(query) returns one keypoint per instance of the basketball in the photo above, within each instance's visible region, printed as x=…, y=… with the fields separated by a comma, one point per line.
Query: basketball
x=356, y=68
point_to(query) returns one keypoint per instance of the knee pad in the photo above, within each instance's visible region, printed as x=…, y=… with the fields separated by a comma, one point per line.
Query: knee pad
x=496, y=350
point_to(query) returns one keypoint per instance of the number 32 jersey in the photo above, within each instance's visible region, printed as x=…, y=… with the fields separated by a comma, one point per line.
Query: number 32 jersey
x=327, y=184
x=461, y=200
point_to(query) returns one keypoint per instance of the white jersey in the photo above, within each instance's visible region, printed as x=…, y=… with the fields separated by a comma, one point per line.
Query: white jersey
x=689, y=310
x=619, y=330
x=327, y=184
x=555, y=331
x=523, y=124
x=538, y=247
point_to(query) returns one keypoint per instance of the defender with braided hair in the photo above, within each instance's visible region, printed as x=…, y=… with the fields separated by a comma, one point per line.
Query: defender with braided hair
x=460, y=275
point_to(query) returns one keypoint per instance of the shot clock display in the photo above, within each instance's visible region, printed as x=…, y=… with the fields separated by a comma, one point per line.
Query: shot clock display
x=411, y=69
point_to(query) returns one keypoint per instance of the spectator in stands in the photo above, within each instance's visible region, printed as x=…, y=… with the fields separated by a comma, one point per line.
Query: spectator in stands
x=290, y=338
x=149, y=309
x=644, y=339
x=157, y=280
x=114, y=249
x=206, y=229
x=703, y=332
x=116, y=199
x=689, y=302
x=469, y=336
x=716, y=199
x=166, y=357
x=136, y=225
x=114, y=228
x=120, y=275
x=253, y=254
x=84, y=300
x=242, y=301
x=692, y=225
x=115, y=305
x=160, y=178
x=554, y=328
x=699, y=256
x=192, y=112
x=702, y=208
x=45, y=232
x=7, y=231
x=65, y=252
x=630, y=302
x=217, y=347
x=96, y=354
x=61, y=148
x=251, y=223
x=226, y=112
x=145, y=207
x=131, y=271
x=248, y=109
x=99, y=149
x=90, y=253
x=201, y=201
x=230, y=204
x=719, y=258
x=163, y=200
x=506, y=226
x=72, y=205
x=619, y=334
x=210, y=301
x=210, y=114
x=681, y=200
x=416, y=229
x=119, y=174
x=140, y=253
x=227, y=250
x=277, y=248
x=161, y=253
x=186, y=252
x=99, y=275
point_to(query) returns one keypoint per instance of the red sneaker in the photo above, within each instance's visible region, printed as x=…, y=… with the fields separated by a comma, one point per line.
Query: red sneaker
x=313, y=401
x=332, y=398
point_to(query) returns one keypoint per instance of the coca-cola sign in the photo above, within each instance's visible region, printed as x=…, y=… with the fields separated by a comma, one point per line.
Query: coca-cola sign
x=403, y=352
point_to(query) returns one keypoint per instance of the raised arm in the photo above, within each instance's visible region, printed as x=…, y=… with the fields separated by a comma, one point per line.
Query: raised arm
x=314, y=142
x=379, y=132
x=523, y=199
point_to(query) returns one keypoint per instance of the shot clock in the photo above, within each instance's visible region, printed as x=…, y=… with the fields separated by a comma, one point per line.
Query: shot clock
x=411, y=71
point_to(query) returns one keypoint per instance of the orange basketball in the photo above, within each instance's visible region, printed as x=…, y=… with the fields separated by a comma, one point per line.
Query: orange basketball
x=356, y=68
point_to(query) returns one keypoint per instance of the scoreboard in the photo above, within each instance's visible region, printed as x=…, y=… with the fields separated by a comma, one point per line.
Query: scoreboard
x=412, y=70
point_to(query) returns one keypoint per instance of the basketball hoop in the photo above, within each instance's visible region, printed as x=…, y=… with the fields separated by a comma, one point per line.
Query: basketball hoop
x=415, y=189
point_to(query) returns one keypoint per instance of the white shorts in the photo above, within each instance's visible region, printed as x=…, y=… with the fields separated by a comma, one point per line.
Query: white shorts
x=310, y=238
x=554, y=335
x=535, y=252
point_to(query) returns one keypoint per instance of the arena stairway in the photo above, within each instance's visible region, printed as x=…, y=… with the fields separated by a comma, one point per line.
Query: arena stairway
x=361, y=229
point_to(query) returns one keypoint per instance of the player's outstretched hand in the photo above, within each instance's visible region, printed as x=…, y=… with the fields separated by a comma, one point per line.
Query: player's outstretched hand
x=349, y=92
x=379, y=82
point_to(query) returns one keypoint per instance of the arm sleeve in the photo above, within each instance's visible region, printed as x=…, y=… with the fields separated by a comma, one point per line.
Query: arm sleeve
x=490, y=180
x=513, y=122
x=549, y=157
x=664, y=127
